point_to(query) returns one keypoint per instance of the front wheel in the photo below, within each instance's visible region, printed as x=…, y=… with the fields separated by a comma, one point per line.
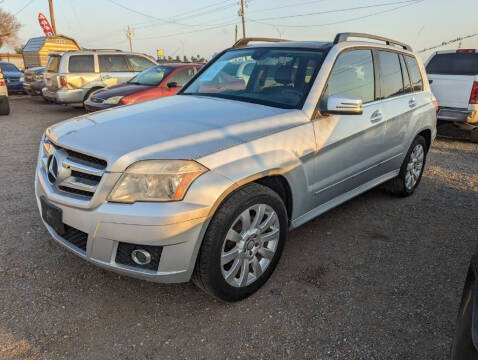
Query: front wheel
x=411, y=170
x=243, y=243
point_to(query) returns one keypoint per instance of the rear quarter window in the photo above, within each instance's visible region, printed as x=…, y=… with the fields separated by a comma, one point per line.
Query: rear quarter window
x=81, y=64
x=453, y=64
x=53, y=64
x=414, y=71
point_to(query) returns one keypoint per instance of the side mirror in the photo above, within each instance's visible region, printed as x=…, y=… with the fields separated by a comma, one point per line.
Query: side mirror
x=344, y=105
x=172, y=84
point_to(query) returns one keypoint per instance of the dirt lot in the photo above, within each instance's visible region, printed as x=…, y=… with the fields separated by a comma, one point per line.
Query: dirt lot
x=376, y=278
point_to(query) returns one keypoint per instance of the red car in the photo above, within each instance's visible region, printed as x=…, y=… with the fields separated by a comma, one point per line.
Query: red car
x=154, y=82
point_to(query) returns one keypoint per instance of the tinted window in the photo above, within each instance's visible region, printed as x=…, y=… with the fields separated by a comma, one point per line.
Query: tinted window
x=181, y=76
x=406, y=79
x=268, y=76
x=113, y=63
x=7, y=67
x=53, y=64
x=352, y=75
x=454, y=64
x=139, y=63
x=415, y=75
x=391, y=82
x=81, y=64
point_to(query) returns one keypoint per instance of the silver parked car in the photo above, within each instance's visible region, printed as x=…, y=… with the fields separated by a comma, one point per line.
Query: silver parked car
x=71, y=77
x=207, y=183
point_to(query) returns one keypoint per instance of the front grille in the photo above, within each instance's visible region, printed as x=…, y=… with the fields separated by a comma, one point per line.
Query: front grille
x=76, y=237
x=83, y=172
x=123, y=255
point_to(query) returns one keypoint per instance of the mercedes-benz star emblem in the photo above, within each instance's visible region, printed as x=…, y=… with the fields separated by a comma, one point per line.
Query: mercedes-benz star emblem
x=57, y=170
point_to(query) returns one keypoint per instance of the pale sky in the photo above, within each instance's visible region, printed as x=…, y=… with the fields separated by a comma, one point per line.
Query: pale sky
x=185, y=27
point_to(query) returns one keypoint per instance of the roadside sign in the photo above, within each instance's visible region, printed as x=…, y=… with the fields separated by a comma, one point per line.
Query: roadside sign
x=160, y=52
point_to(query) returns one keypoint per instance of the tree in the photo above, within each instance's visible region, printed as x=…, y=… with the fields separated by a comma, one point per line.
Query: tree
x=9, y=27
x=185, y=59
x=19, y=48
x=178, y=59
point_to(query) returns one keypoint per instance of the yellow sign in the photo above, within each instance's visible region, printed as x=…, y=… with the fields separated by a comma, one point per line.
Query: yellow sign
x=160, y=52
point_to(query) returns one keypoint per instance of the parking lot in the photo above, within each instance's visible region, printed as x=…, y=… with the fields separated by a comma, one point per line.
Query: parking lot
x=376, y=278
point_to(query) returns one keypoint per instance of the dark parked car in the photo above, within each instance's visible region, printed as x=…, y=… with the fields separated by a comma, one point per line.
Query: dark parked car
x=13, y=77
x=465, y=344
x=34, y=82
x=155, y=82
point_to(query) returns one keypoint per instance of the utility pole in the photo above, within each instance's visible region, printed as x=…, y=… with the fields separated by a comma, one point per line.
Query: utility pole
x=129, y=35
x=52, y=16
x=235, y=34
x=242, y=15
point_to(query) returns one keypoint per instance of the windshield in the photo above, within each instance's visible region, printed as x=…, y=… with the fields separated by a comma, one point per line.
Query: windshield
x=152, y=76
x=269, y=76
x=454, y=64
x=7, y=67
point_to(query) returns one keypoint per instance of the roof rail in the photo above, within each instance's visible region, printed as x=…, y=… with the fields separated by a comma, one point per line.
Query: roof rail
x=244, y=41
x=85, y=49
x=341, y=37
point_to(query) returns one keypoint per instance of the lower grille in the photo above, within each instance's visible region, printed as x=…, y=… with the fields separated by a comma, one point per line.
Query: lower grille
x=123, y=255
x=76, y=237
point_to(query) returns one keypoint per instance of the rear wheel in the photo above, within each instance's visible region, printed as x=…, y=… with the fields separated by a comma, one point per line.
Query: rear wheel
x=4, y=106
x=411, y=170
x=243, y=243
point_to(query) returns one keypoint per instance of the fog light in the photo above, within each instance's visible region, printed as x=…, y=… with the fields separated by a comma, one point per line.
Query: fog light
x=141, y=257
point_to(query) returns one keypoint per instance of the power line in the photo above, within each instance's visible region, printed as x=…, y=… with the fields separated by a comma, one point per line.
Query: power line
x=339, y=10
x=444, y=43
x=23, y=8
x=341, y=21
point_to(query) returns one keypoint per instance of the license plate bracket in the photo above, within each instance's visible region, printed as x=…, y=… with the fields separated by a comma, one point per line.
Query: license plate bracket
x=53, y=215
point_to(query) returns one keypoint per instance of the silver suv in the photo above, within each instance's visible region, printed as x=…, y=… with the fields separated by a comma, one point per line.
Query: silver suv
x=207, y=183
x=70, y=77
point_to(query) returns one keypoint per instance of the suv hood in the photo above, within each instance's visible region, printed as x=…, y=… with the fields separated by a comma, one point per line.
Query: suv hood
x=175, y=127
x=12, y=74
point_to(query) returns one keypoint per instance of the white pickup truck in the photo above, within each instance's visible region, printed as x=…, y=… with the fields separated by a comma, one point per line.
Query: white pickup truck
x=453, y=76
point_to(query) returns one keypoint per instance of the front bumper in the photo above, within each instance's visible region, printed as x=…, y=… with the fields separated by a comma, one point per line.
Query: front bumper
x=33, y=88
x=458, y=115
x=15, y=87
x=62, y=96
x=177, y=227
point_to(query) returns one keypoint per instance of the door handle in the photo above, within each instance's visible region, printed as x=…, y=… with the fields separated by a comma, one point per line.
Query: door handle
x=376, y=117
x=412, y=103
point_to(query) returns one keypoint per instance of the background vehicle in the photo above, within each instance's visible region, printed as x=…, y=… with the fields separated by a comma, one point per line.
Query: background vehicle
x=13, y=77
x=206, y=184
x=33, y=82
x=36, y=51
x=465, y=342
x=4, y=105
x=453, y=78
x=70, y=77
x=155, y=82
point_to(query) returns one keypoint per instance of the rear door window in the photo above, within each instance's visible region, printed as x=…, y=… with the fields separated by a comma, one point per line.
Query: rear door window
x=81, y=64
x=353, y=74
x=113, y=63
x=407, y=86
x=391, y=81
x=453, y=64
x=414, y=72
x=53, y=64
x=139, y=63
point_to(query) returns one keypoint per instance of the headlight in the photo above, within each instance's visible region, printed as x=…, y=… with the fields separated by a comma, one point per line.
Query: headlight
x=39, y=77
x=113, y=100
x=156, y=180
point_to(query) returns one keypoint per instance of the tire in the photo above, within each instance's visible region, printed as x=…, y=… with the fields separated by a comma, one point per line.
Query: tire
x=474, y=135
x=399, y=185
x=4, y=107
x=211, y=272
x=90, y=92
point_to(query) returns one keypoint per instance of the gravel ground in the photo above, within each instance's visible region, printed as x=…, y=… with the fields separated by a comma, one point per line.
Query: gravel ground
x=376, y=278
